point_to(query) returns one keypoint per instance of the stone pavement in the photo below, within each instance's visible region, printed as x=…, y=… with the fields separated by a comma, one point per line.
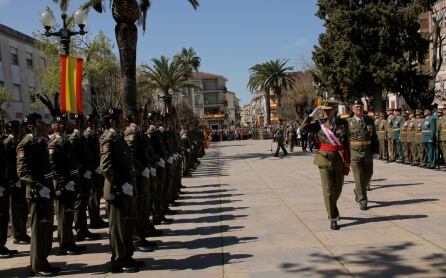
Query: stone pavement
x=248, y=214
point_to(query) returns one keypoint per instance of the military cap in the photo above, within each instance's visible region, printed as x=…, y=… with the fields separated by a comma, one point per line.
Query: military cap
x=418, y=112
x=390, y=109
x=329, y=104
x=57, y=119
x=90, y=118
x=398, y=109
x=406, y=112
x=12, y=124
x=32, y=118
x=111, y=113
x=440, y=110
x=358, y=102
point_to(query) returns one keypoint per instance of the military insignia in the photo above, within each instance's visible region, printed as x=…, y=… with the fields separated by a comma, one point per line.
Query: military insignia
x=20, y=153
x=105, y=147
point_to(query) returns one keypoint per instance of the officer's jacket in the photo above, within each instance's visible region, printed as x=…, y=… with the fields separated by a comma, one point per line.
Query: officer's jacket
x=59, y=155
x=138, y=153
x=389, y=126
x=429, y=129
x=158, y=144
x=363, y=139
x=339, y=129
x=153, y=157
x=92, y=146
x=115, y=163
x=80, y=157
x=33, y=165
x=418, y=127
x=396, y=127
x=10, y=159
x=382, y=129
x=403, y=131
x=441, y=128
x=411, y=130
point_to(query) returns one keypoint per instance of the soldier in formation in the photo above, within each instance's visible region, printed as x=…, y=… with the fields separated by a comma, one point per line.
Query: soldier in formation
x=135, y=163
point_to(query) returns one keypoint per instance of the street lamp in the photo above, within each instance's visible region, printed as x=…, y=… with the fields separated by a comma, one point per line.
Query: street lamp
x=49, y=21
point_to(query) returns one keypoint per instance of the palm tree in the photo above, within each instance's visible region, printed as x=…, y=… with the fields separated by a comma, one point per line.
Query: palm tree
x=166, y=76
x=271, y=77
x=190, y=62
x=125, y=13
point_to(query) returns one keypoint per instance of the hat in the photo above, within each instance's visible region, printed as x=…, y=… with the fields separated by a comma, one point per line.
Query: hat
x=418, y=112
x=32, y=118
x=12, y=124
x=329, y=104
x=397, y=109
x=111, y=113
x=390, y=109
x=57, y=120
x=358, y=102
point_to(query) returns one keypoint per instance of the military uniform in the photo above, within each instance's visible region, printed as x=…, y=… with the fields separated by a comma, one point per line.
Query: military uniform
x=19, y=207
x=34, y=170
x=390, y=142
x=428, y=138
x=418, y=134
x=291, y=137
x=65, y=192
x=331, y=159
x=396, y=129
x=441, y=133
x=363, y=144
x=280, y=138
x=118, y=192
x=404, y=138
x=382, y=138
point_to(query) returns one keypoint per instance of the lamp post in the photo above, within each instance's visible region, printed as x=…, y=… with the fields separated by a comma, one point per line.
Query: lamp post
x=49, y=21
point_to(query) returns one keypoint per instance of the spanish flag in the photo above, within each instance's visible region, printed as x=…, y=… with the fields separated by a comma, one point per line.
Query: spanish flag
x=71, y=84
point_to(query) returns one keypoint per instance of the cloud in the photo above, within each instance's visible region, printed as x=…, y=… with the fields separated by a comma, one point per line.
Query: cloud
x=4, y=2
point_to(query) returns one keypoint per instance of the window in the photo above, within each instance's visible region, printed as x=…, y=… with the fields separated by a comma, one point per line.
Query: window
x=14, y=58
x=29, y=60
x=17, y=93
x=211, y=99
x=198, y=100
x=42, y=62
x=210, y=84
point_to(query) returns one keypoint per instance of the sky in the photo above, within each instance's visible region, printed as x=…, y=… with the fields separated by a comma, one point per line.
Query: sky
x=230, y=36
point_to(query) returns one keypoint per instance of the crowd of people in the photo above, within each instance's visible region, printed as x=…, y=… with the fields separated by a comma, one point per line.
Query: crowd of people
x=231, y=134
x=135, y=163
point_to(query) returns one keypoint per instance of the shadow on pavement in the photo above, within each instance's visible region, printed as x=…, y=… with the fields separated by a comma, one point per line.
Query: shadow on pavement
x=381, y=204
x=394, y=185
x=196, y=262
x=374, y=262
x=360, y=221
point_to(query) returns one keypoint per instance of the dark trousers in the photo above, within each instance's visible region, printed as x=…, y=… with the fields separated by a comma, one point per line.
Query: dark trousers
x=4, y=217
x=19, y=212
x=94, y=201
x=65, y=219
x=42, y=213
x=121, y=219
x=281, y=146
x=429, y=149
x=362, y=169
x=80, y=215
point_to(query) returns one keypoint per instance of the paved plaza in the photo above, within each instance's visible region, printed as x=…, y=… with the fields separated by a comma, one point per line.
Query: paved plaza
x=247, y=214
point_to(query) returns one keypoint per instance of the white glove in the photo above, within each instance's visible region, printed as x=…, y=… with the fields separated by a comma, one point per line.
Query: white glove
x=18, y=184
x=2, y=189
x=70, y=186
x=153, y=172
x=87, y=175
x=161, y=163
x=45, y=192
x=98, y=170
x=146, y=173
x=127, y=189
x=170, y=160
x=188, y=150
x=375, y=156
x=316, y=111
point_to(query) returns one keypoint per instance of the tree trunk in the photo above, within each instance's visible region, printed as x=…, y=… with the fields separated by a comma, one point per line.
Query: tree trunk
x=268, y=107
x=127, y=37
x=378, y=102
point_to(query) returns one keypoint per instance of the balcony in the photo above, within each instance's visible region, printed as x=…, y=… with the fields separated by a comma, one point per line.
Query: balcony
x=214, y=116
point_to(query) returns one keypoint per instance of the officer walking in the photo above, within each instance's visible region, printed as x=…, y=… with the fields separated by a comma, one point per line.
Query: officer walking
x=280, y=138
x=333, y=157
x=364, y=147
x=34, y=170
